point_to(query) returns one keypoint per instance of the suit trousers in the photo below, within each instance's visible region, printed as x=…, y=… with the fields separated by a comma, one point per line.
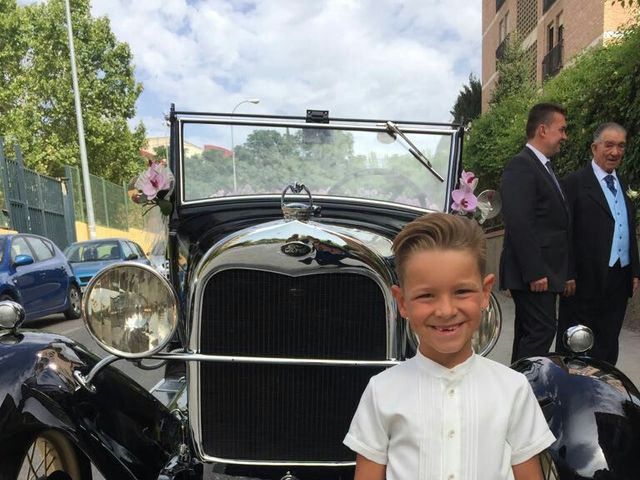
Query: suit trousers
x=535, y=323
x=603, y=314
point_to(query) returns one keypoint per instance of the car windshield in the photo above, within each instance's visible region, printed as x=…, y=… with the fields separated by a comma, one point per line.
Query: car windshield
x=93, y=251
x=374, y=160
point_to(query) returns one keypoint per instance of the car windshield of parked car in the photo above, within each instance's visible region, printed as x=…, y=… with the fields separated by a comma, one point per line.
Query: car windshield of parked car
x=221, y=160
x=93, y=251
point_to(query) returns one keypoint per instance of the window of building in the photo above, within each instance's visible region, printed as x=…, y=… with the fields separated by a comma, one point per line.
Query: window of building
x=550, y=36
x=504, y=27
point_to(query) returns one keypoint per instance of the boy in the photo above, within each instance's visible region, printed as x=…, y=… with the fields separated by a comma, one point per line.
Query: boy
x=446, y=413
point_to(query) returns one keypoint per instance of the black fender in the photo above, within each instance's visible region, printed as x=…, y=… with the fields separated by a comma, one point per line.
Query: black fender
x=121, y=428
x=593, y=410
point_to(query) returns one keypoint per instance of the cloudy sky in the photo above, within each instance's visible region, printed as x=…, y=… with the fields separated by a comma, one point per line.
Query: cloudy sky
x=357, y=58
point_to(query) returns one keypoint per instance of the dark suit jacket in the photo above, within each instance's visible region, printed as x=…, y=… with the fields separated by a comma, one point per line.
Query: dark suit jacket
x=536, y=219
x=593, y=227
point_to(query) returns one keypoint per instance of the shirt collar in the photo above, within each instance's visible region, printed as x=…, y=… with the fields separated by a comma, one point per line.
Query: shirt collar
x=541, y=156
x=439, y=371
x=600, y=173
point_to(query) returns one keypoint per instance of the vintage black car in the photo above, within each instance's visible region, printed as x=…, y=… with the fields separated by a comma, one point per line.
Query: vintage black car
x=276, y=313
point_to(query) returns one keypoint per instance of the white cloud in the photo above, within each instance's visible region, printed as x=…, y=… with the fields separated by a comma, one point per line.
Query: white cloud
x=357, y=58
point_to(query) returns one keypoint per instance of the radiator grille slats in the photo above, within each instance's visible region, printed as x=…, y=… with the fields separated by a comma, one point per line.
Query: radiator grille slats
x=289, y=413
x=280, y=413
x=255, y=313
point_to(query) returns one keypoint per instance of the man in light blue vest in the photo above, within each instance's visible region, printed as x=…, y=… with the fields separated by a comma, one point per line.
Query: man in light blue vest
x=605, y=251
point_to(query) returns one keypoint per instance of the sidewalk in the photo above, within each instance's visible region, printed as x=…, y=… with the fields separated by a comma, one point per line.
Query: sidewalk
x=628, y=361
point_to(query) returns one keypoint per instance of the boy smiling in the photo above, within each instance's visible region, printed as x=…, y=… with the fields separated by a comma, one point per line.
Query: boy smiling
x=446, y=413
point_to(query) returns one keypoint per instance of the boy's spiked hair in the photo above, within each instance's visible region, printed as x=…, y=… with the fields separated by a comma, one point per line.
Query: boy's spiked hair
x=439, y=231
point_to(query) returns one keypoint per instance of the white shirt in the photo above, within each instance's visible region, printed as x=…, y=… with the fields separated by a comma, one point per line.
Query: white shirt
x=427, y=422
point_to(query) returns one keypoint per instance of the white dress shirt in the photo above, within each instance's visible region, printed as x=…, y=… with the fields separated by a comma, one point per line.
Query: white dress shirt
x=427, y=422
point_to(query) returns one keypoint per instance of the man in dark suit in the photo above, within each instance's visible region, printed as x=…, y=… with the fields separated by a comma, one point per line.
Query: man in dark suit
x=604, y=245
x=534, y=264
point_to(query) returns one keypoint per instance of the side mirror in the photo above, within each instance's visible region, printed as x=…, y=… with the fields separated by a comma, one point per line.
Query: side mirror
x=132, y=256
x=21, y=260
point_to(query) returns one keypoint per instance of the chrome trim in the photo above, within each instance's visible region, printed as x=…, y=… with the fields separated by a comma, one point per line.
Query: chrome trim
x=258, y=248
x=199, y=357
x=331, y=198
x=355, y=126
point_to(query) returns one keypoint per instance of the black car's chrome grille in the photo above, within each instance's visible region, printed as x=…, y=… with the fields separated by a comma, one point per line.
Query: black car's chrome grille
x=278, y=412
x=287, y=413
x=263, y=314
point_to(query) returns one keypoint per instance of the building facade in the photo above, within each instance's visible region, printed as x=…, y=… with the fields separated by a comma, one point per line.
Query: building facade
x=552, y=33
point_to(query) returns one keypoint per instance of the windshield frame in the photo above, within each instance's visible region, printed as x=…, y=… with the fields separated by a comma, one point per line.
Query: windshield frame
x=179, y=119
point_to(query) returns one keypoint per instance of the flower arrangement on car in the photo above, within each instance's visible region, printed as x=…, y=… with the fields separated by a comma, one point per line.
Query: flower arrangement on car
x=153, y=187
x=464, y=202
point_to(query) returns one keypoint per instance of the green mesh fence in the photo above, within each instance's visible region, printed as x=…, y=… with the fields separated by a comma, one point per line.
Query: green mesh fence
x=111, y=204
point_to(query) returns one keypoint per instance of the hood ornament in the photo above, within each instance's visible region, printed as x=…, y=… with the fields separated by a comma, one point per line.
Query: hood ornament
x=297, y=210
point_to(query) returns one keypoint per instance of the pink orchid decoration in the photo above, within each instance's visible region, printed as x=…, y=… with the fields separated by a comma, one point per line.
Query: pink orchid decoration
x=464, y=201
x=155, y=179
x=468, y=179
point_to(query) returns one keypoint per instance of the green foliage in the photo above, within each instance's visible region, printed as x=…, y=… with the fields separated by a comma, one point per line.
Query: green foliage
x=36, y=98
x=514, y=72
x=469, y=102
x=494, y=138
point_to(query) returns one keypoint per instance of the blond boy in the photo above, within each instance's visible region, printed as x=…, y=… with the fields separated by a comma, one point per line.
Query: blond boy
x=446, y=413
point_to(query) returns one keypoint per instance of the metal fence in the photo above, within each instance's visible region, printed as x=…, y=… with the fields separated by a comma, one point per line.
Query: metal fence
x=111, y=205
x=32, y=202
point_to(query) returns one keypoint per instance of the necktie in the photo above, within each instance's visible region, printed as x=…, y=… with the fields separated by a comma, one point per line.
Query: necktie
x=553, y=175
x=610, y=181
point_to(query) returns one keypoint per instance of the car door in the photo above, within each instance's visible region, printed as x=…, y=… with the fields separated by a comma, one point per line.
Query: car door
x=25, y=278
x=53, y=289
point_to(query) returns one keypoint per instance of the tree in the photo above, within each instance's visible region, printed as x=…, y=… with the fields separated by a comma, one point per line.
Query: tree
x=514, y=72
x=469, y=102
x=36, y=98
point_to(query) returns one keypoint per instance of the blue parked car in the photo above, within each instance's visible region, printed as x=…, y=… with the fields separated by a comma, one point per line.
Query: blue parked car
x=89, y=257
x=36, y=274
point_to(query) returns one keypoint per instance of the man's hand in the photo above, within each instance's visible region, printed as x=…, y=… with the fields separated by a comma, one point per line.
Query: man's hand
x=569, y=288
x=541, y=285
x=636, y=283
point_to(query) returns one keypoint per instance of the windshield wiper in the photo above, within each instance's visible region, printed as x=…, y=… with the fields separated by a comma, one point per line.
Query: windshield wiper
x=395, y=132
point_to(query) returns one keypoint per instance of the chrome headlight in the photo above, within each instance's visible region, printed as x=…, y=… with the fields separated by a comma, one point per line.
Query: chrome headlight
x=130, y=310
x=11, y=314
x=578, y=339
x=485, y=338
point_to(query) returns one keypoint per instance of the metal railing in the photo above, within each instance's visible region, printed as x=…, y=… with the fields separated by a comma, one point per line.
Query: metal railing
x=552, y=62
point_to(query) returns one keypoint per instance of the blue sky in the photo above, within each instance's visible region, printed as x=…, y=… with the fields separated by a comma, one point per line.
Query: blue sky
x=357, y=58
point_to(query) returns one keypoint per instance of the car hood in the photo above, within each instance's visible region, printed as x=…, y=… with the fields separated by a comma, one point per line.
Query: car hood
x=90, y=268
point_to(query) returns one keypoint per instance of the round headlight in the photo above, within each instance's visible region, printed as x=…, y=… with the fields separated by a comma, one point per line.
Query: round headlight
x=130, y=310
x=11, y=314
x=485, y=338
x=578, y=339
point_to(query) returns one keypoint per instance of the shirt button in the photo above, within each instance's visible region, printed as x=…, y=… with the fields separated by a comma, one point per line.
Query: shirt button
x=451, y=477
x=452, y=433
x=452, y=392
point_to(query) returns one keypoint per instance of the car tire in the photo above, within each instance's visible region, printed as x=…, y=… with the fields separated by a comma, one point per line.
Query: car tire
x=74, y=298
x=50, y=455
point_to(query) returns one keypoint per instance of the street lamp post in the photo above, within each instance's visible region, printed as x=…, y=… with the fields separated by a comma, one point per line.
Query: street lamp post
x=86, y=179
x=233, y=150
